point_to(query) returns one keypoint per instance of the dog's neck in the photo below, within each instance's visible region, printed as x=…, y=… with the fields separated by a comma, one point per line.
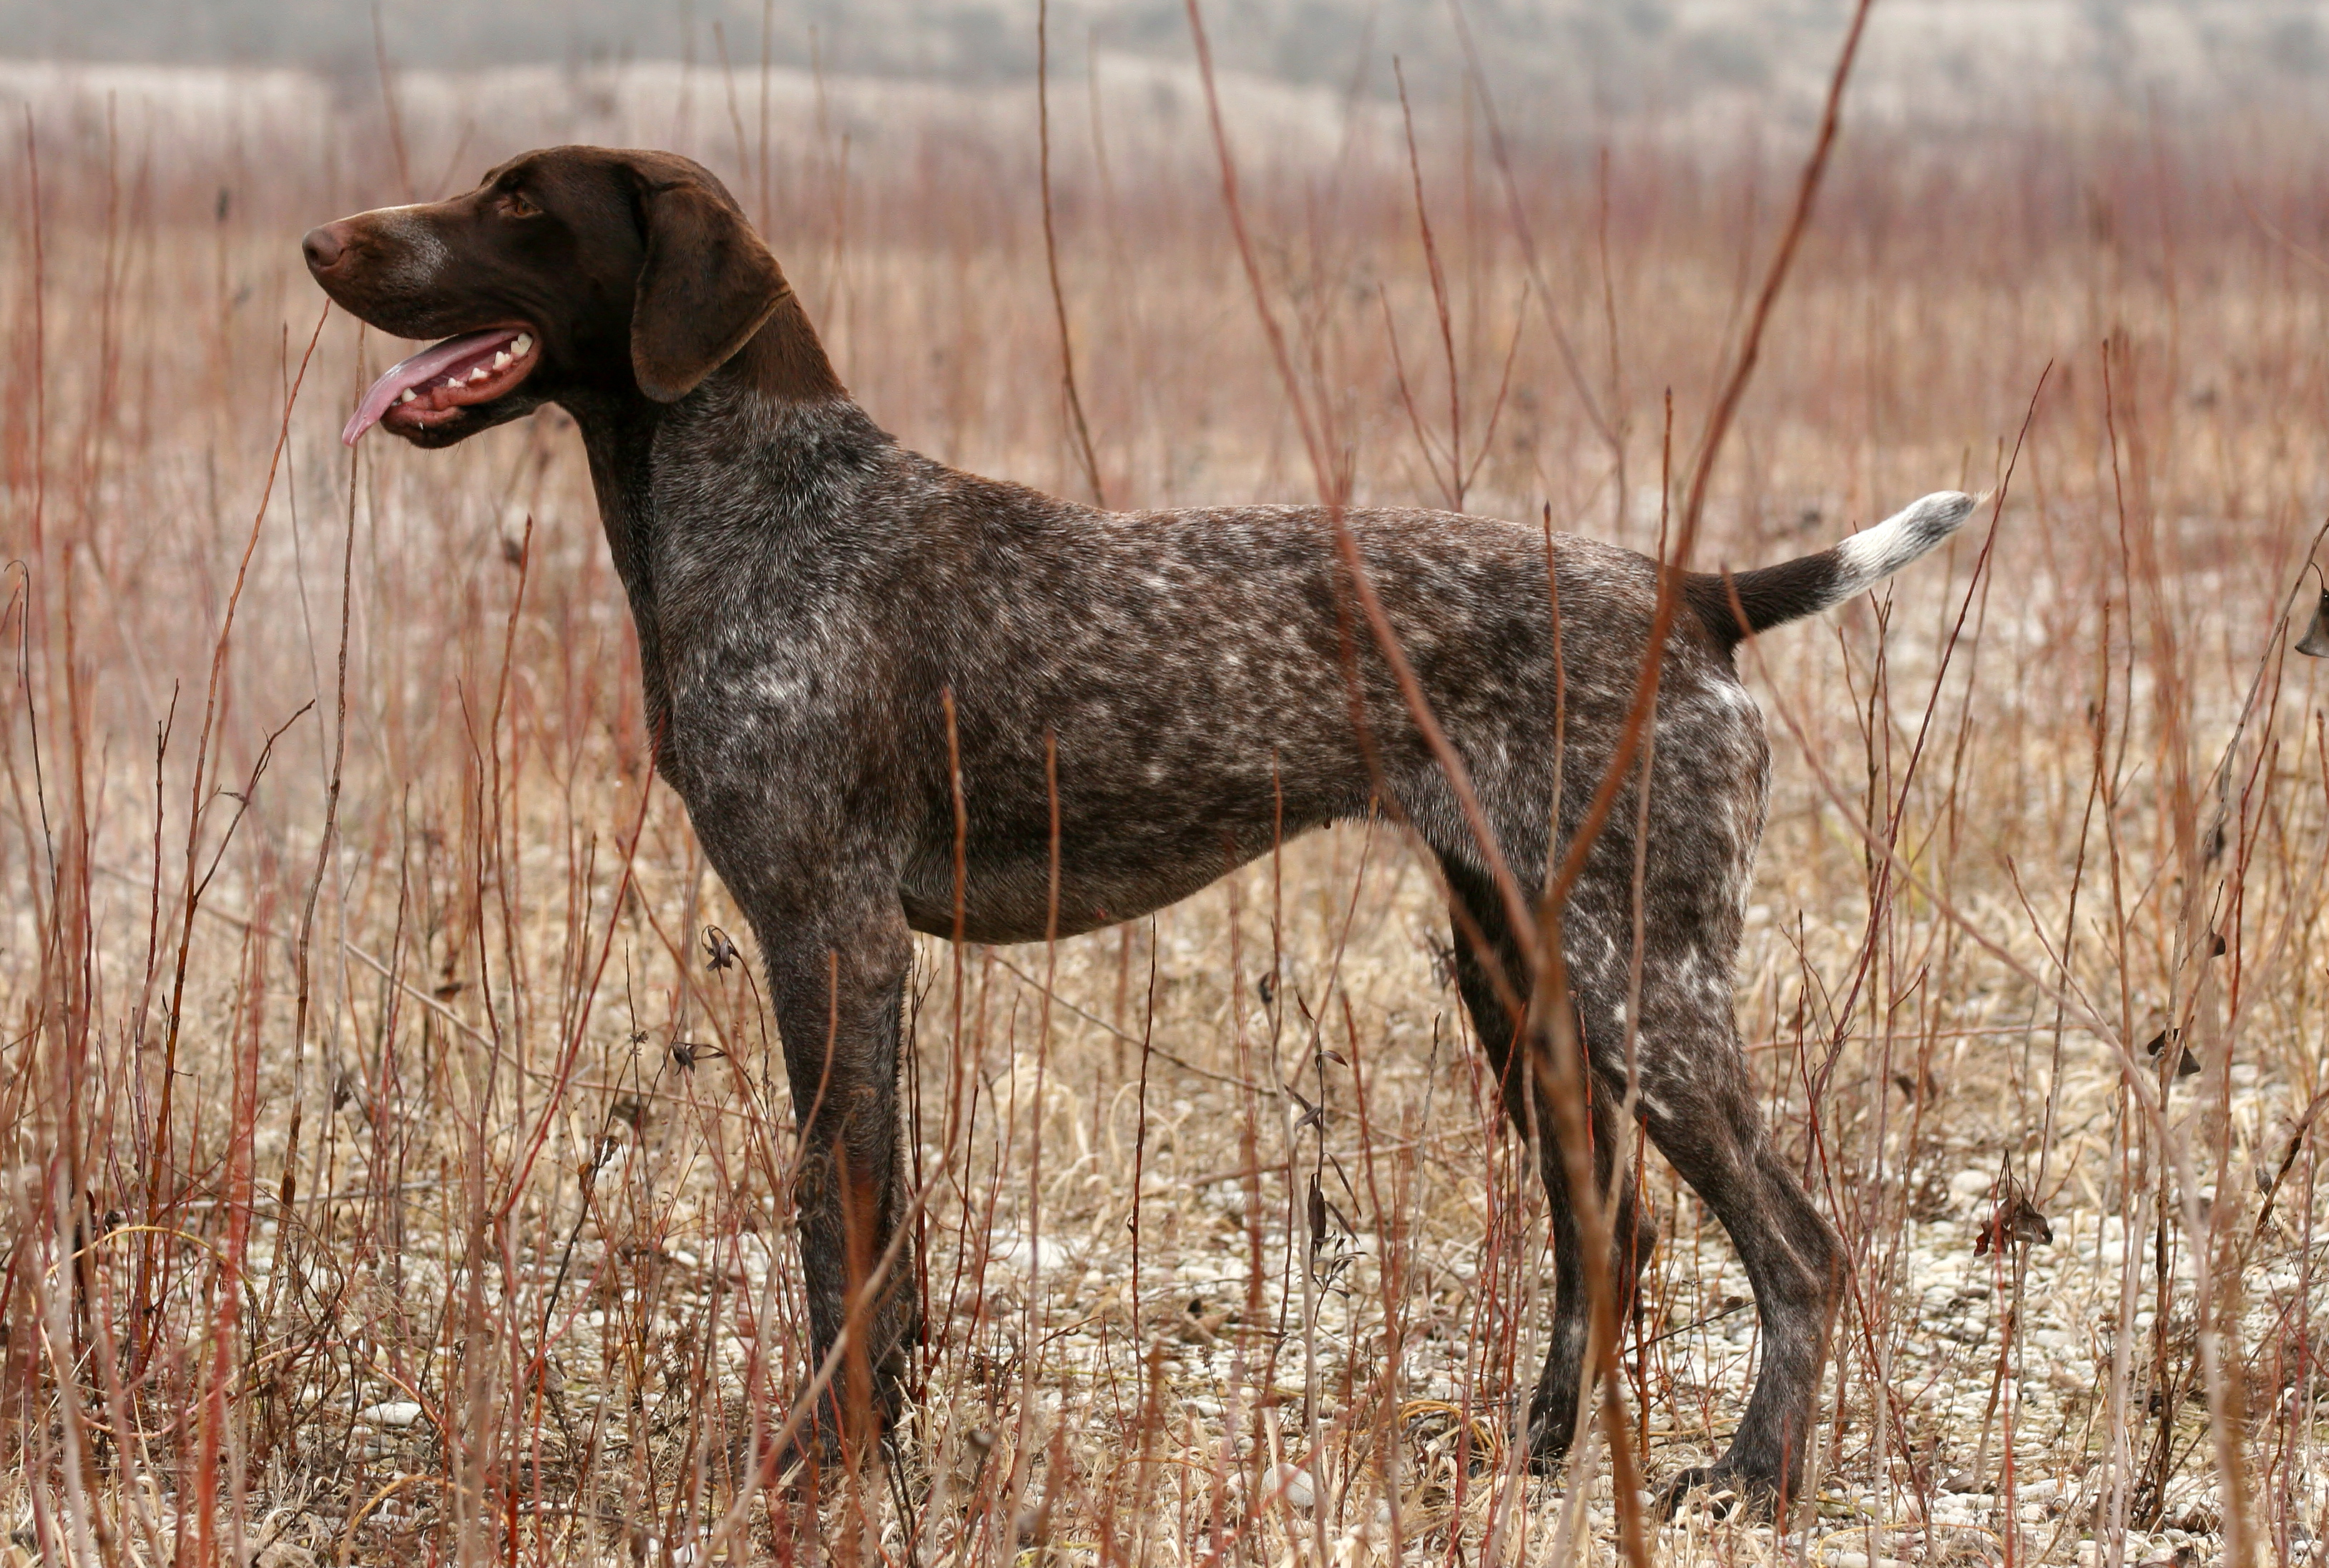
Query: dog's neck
x=775, y=416
x=784, y=362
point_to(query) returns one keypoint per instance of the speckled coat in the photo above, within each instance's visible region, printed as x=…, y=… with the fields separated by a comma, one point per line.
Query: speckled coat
x=816, y=605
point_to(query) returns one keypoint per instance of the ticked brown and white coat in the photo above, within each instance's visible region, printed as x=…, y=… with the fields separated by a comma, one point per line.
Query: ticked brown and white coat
x=814, y=600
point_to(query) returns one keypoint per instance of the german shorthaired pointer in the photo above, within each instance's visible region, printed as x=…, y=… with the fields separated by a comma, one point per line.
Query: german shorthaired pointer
x=825, y=618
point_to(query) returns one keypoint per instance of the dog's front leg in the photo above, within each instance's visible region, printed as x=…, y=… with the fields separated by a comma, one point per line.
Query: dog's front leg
x=836, y=975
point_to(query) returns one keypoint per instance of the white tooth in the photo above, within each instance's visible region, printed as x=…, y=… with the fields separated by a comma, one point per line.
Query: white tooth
x=479, y=373
x=524, y=344
x=501, y=359
x=454, y=381
x=407, y=396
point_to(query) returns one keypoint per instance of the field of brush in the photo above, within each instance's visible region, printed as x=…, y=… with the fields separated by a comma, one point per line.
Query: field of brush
x=389, y=1174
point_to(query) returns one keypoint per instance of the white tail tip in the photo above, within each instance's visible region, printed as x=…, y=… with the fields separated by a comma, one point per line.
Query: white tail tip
x=1869, y=557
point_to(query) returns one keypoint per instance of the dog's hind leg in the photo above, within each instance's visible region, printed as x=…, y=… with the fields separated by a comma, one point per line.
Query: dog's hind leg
x=1700, y=1104
x=1696, y=1094
x=1554, y=1409
x=1698, y=1101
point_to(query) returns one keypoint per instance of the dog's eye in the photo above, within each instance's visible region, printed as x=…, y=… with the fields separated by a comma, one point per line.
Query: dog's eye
x=514, y=204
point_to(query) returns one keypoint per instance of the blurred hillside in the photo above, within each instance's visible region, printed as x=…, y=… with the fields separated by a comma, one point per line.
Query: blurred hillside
x=1926, y=59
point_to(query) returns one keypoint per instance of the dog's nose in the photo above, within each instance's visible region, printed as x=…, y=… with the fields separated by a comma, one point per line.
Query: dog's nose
x=323, y=246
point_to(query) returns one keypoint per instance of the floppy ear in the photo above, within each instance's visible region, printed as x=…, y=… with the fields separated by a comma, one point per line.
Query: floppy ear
x=707, y=285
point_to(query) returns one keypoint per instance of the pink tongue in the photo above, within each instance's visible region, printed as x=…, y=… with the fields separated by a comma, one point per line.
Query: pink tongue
x=417, y=373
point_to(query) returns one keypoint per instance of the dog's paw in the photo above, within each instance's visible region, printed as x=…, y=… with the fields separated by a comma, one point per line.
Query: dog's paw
x=1722, y=1492
x=1550, y=1437
x=819, y=1441
x=760, y=1462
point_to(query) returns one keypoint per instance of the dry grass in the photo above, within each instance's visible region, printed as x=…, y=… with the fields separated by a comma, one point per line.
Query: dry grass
x=434, y=1245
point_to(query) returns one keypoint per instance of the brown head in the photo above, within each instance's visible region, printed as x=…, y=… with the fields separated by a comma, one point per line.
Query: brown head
x=570, y=272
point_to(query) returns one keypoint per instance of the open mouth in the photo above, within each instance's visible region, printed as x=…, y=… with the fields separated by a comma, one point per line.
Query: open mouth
x=431, y=386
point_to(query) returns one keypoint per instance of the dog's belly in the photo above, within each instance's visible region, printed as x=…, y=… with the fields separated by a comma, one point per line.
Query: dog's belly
x=1007, y=909
x=1104, y=878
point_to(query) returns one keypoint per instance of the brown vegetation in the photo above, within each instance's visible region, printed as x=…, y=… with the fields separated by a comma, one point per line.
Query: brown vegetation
x=394, y=1167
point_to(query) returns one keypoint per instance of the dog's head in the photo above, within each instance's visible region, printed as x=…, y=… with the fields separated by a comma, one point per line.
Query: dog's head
x=567, y=270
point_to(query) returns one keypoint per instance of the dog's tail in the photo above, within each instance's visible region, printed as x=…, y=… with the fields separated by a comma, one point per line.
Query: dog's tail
x=1735, y=606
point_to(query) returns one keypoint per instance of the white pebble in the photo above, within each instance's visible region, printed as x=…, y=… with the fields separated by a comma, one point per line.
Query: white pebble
x=1291, y=1482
